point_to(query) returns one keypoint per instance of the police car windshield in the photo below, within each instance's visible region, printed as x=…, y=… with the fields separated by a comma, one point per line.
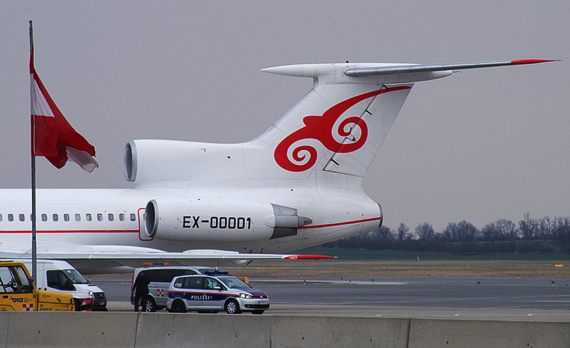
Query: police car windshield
x=75, y=276
x=234, y=283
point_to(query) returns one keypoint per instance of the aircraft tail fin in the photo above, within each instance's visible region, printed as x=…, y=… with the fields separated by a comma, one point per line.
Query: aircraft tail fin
x=338, y=127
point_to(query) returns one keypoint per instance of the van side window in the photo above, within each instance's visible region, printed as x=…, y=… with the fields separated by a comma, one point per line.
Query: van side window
x=22, y=217
x=58, y=280
x=194, y=283
x=163, y=275
x=44, y=217
x=55, y=217
x=179, y=282
x=88, y=217
x=212, y=283
x=133, y=217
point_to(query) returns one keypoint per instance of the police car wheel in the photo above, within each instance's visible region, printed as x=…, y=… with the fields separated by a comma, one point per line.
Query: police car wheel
x=178, y=307
x=150, y=305
x=232, y=307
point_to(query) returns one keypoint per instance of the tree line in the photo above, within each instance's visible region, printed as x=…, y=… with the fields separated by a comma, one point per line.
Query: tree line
x=542, y=235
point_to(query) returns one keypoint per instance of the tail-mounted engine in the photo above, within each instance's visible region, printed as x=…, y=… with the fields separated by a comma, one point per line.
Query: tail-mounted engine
x=220, y=220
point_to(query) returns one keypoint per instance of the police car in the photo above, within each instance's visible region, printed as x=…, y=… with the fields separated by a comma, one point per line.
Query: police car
x=205, y=293
x=160, y=278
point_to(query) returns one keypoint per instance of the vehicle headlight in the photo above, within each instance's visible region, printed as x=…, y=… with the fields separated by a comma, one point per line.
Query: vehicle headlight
x=91, y=294
x=245, y=296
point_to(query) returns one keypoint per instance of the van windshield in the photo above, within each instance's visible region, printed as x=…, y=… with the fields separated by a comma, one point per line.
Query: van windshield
x=75, y=276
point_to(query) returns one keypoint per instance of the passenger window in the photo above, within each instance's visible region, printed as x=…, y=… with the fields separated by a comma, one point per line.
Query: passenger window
x=5, y=278
x=194, y=282
x=14, y=279
x=10, y=217
x=55, y=217
x=58, y=280
x=99, y=217
x=0, y=217
x=77, y=217
x=22, y=217
x=211, y=283
x=121, y=217
x=179, y=282
x=133, y=217
x=154, y=275
x=88, y=217
x=44, y=217
x=111, y=217
x=66, y=217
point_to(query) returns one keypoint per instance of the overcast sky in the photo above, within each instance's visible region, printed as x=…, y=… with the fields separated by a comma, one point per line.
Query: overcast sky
x=477, y=146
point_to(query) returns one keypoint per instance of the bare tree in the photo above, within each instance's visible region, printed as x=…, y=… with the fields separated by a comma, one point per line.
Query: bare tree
x=403, y=232
x=528, y=227
x=425, y=231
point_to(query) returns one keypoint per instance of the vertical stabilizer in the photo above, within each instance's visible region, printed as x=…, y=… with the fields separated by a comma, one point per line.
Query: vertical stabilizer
x=338, y=127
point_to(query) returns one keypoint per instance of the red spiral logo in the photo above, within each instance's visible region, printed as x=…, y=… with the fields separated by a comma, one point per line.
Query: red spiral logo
x=321, y=128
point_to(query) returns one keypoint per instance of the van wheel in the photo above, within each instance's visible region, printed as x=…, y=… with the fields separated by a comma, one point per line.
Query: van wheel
x=232, y=307
x=178, y=306
x=150, y=304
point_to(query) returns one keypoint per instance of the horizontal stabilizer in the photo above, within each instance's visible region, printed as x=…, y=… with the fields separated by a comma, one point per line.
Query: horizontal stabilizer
x=415, y=68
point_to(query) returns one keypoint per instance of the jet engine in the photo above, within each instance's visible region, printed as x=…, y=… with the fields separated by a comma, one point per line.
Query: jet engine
x=224, y=220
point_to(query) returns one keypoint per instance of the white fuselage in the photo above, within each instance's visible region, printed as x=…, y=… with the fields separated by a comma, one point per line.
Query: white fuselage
x=116, y=217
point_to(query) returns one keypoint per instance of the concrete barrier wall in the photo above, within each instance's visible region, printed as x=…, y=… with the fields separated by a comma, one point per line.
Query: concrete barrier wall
x=470, y=333
x=219, y=330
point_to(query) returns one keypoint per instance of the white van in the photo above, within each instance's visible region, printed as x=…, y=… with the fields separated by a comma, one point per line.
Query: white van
x=60, y=276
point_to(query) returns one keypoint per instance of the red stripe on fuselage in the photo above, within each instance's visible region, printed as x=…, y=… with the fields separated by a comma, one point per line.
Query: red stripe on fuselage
x=76, y=231
x=340, y=223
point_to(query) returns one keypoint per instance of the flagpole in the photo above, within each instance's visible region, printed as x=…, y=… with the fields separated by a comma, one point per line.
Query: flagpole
x=32, y=142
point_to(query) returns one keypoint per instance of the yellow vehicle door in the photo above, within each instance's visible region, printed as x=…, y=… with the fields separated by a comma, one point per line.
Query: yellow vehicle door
x=16, y=291
x=54, y=301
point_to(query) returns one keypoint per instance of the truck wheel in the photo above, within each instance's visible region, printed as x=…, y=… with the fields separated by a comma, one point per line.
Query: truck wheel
x=232, y=307
x=150, y=304
x=178, y=306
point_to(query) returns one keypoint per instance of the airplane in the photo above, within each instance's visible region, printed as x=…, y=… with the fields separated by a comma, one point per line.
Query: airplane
x=296, y=185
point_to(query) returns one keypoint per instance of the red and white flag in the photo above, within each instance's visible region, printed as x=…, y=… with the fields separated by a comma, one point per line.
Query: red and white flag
x=52, y=136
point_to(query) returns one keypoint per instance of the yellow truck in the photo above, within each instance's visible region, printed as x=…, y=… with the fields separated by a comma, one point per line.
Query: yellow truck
x=17, y=292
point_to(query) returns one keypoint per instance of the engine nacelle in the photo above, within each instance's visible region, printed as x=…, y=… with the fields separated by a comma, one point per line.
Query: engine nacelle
x=179, y=163
x=225, y=220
